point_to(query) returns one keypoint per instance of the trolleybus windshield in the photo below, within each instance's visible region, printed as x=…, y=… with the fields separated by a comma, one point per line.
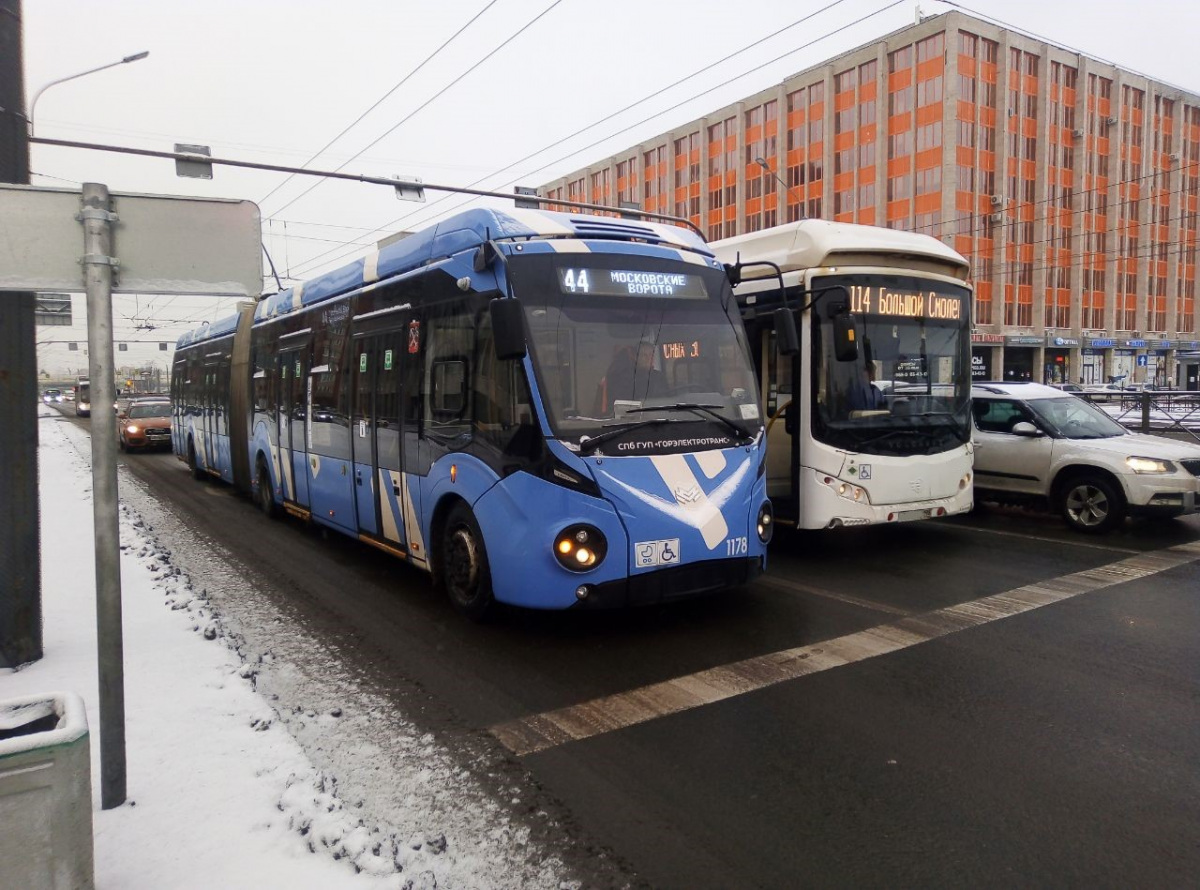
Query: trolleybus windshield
x=909, y=390
x=651, y=345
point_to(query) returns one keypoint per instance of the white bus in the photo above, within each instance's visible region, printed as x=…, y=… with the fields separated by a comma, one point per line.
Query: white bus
x=880, y=431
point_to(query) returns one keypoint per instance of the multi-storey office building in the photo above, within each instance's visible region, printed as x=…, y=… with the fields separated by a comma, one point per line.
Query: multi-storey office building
x=1071, y=185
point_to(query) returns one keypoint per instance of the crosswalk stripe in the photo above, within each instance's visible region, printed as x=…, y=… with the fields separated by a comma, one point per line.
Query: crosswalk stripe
x=539, y=732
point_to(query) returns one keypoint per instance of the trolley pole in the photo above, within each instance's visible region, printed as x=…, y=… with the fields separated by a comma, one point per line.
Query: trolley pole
x=20, y=545
x=98, y=262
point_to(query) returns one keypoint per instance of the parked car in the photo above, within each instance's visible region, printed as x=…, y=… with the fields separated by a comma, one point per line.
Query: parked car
x=145, y=424
x=1068, y=387
x=1038, y=443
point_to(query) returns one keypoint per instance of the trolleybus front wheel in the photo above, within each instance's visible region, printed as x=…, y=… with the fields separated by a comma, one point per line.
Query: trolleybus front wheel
x=466, y=575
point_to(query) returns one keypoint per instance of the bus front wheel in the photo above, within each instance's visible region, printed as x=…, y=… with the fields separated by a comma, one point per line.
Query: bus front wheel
x=466, y=575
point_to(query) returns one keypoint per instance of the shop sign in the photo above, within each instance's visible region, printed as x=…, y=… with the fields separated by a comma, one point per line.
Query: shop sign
x=1101, y=342
x=987, y=338
x=1052, y=340
x=1136, y=344
x=981, y=365
x=1021, y=340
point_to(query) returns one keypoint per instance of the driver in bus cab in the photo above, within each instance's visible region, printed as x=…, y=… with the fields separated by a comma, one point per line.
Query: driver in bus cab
x=631, y=376
x=864, y=394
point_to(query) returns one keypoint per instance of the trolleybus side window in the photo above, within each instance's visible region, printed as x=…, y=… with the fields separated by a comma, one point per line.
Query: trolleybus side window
x=449, y=344
x=330, y=386
x=265, y=377
x=503, y=403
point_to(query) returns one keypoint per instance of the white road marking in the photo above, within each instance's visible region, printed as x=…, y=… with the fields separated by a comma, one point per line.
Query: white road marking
x=787, y=584
x=1073, y=542
x=538, y=732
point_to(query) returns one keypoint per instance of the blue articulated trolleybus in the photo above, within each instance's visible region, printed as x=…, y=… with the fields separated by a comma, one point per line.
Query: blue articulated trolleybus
x=543, y=409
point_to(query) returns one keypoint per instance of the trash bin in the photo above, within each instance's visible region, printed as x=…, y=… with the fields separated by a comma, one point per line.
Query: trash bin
x=45, y=793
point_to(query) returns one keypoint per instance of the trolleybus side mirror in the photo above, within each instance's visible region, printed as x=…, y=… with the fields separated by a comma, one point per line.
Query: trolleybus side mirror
x=483, y=257
x=508, y=328
x=785, y=332
x=733, y=271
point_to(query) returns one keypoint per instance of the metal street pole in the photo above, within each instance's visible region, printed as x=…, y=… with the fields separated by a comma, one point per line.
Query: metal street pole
x=98, y=264
x=136, y=57
x=20, y=538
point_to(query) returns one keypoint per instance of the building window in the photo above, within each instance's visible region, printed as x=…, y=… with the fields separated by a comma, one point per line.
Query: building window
x=931, y=48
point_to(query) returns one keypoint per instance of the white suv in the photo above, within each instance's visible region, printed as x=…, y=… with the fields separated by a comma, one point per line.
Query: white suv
x=1034, y=442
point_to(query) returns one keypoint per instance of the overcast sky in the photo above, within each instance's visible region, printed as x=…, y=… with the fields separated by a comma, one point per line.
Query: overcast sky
x=277, y=80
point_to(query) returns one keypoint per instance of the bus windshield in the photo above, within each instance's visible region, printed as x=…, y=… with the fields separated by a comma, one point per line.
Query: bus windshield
x=908, y=392
x=639, y=343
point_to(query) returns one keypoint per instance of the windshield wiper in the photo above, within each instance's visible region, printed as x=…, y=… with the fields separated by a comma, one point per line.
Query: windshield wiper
x=590, y=444
x=954, y=428
x=710, y=410
x=908, y=431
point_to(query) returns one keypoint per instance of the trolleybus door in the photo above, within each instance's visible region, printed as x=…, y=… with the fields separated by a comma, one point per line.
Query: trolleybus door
x=377, y=434
x=293, y=421
x=781, y=387
x=206, y=455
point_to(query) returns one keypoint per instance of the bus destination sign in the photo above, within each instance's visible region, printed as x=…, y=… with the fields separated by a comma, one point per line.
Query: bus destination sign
x=630, y=283
x=882, y=300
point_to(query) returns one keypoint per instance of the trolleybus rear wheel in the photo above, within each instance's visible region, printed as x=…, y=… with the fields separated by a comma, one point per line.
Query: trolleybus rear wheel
x=466, y=575
x=266, y=498
x=197, y=472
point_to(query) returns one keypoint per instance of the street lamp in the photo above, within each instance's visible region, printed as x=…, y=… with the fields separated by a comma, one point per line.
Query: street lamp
x=136, y=57
x=799, y=203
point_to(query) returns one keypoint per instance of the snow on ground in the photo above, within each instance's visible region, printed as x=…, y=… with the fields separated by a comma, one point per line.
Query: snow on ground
x=221, y=732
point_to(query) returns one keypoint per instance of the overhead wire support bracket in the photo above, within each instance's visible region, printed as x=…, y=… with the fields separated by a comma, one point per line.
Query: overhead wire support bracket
x=390, y=182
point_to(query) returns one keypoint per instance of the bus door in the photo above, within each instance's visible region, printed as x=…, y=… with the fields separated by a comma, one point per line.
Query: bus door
x=293, y=420
x=377, y=434
x=781, y=390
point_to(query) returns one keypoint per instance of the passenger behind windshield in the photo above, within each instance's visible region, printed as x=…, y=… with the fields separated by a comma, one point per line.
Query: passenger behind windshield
x=864, y=395
x=631, y=376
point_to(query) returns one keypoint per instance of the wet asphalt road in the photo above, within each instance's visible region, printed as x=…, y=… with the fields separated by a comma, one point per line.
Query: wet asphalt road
x=1057, y=746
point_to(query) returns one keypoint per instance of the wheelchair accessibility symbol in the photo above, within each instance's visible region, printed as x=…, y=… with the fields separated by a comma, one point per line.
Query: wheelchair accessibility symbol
x=647, y=554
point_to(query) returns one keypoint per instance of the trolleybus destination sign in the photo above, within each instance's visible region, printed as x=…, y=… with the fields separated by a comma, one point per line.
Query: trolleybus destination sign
x=884, y=300
x=630, y=283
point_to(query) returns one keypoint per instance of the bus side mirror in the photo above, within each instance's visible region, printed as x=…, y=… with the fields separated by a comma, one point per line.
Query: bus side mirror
x=845, y=342
x=733, y=271
x=785, y=332
x=508, y=328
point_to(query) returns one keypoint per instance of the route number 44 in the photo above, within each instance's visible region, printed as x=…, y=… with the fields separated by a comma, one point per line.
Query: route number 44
x=737, y=546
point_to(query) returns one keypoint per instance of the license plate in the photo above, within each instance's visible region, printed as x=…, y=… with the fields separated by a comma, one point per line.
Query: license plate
x=909, y=515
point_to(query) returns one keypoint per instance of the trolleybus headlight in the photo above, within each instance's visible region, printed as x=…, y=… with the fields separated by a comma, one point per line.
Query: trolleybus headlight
x=579, y=548
x=766, y=522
